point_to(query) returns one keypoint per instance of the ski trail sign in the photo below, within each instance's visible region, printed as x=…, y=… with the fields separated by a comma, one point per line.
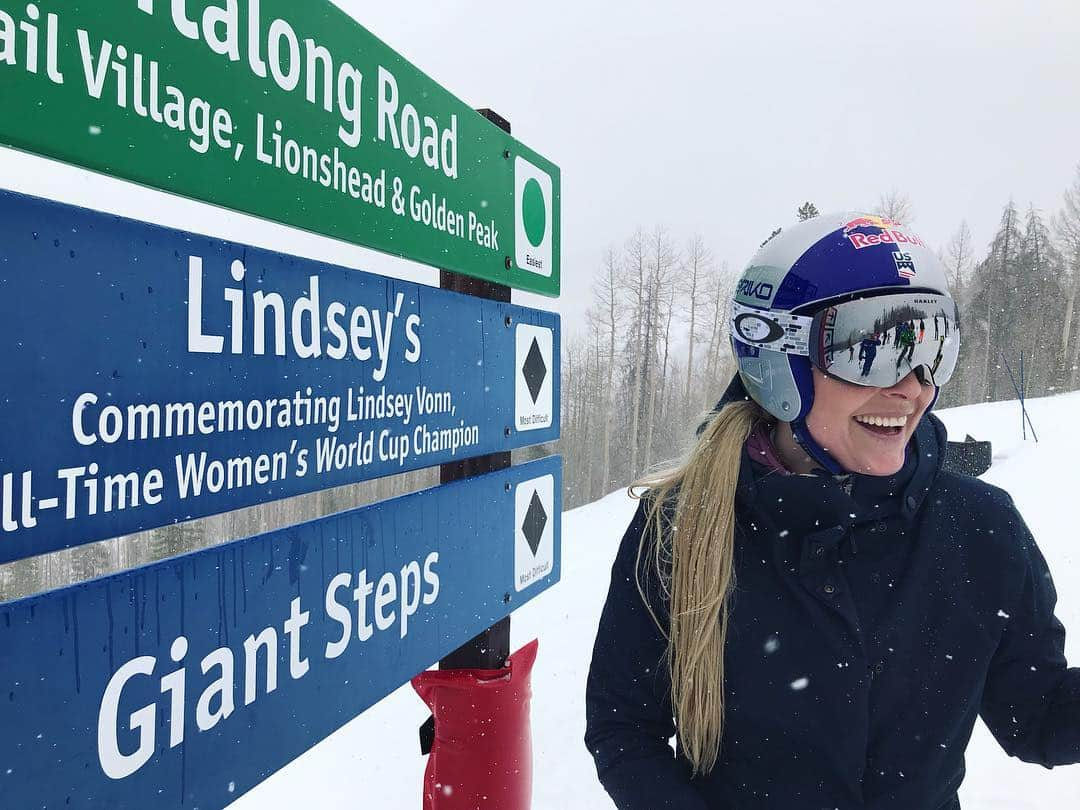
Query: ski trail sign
x=156, y=376
x=288, y=111
x=187, y=682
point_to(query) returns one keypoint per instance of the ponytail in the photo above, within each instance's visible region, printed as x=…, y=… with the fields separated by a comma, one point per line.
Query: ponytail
x=698, y=540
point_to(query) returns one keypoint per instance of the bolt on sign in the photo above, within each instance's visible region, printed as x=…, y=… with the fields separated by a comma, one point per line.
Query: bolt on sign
x=289, y=111
x=187, y=682
x=158, y=376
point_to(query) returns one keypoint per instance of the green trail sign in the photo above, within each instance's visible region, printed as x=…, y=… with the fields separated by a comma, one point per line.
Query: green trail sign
x=289, y=111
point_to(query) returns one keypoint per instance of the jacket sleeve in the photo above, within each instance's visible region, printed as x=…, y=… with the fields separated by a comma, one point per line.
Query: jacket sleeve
x=1031, y=699
x=628, y=716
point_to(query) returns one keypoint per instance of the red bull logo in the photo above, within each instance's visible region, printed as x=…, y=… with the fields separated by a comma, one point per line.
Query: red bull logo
x=889, y=232
x=871, y=221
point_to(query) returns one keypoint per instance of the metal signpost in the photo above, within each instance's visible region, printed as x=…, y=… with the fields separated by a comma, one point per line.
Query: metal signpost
x=289, y=111
x=187, y=682
x=156, y=376
x=490, y=648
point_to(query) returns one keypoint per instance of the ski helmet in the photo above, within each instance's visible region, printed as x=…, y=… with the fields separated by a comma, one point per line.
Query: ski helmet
x=802, y=271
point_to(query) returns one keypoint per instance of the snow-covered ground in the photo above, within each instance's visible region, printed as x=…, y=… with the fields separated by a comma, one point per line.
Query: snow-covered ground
x=374, y=761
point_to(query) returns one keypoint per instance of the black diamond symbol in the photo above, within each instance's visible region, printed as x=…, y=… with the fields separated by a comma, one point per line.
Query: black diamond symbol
x=534, y=370
x=535, y=521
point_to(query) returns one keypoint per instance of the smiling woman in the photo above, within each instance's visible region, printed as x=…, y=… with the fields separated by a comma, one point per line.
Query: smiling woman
x=785, y=596
x=866, y=430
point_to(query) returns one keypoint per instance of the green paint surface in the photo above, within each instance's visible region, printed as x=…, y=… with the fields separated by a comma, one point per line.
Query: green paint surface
x=534, y=213
x=288, y=111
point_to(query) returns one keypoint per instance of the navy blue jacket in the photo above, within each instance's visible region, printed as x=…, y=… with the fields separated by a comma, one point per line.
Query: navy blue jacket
x=873, y=619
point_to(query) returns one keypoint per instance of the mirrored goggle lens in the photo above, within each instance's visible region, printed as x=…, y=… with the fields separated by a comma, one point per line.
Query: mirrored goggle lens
x=878, y=341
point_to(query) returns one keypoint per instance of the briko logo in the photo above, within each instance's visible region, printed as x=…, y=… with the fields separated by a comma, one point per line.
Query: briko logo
x=761, y=290
x=533, y=219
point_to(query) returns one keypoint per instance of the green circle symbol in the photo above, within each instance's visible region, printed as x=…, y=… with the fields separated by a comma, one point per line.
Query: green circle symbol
x=533, y=212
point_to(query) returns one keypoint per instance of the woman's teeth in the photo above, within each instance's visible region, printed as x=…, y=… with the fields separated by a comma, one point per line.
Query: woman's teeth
x=883, y=421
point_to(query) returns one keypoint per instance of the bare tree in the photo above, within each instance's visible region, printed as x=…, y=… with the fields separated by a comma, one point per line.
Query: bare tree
x=717, y=313
x=662, y=262
x=721, y=292
x=609, y=313
x=958, y=258
x=896, y=205
x=664, y=387
x=597, y=407
x=573, y=362
x=636, y=282
x=695, y=268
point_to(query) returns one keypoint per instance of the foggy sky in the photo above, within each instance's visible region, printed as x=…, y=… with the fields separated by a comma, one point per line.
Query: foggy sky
x=718, y=118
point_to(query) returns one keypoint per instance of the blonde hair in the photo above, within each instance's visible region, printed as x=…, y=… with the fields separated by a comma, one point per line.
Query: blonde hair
x=690, y=508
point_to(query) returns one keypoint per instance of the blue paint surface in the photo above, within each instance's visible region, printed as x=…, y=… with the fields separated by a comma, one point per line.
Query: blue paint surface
x=98, y=306
x=60, y=650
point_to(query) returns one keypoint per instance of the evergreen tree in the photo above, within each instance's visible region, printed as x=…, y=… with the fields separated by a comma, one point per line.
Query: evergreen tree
x=1039, y=307
x=992, y=319
x=1067, y=227
x=807, y=211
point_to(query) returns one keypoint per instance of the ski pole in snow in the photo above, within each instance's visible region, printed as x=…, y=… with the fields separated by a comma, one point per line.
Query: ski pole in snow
x=1023, y=391
x=1020, y=396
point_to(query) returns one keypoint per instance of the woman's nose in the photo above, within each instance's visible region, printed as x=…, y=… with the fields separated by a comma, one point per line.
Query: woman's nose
x=909, y=387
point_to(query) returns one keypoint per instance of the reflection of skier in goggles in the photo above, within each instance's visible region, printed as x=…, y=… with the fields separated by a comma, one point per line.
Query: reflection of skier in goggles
x=907, y=344
x=867, y=353
x=940, y=354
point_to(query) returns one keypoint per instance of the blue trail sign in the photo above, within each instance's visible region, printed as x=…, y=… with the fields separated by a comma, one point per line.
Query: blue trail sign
x=155, y=376
x=187, y=682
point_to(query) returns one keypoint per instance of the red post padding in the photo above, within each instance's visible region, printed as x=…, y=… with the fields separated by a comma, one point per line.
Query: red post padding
x=482, y=754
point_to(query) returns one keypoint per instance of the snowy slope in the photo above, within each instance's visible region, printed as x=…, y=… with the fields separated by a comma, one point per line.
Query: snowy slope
x=374, y=762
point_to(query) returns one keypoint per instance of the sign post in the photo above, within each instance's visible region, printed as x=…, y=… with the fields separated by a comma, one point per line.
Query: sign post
x=491, y=648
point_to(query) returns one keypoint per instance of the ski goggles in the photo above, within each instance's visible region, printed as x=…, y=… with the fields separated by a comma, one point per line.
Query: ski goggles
x=874, y=341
